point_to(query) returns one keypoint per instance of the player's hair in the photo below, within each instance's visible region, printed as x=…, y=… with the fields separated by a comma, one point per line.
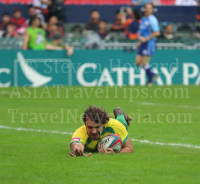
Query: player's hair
x=96, y=114
x=150, y=4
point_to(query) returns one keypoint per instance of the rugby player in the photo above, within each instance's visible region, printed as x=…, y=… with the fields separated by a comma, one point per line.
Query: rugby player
x=98, y=124
x=148, y=31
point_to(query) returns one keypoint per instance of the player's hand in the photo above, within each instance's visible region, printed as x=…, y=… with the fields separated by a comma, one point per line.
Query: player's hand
x=142, y=39
x=83, y=154
x=106, y=150
x=138, y=44
x=77, y=151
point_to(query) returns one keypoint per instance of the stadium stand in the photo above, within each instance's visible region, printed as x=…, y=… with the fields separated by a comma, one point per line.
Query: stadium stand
x=184, y=34
x=94, y=2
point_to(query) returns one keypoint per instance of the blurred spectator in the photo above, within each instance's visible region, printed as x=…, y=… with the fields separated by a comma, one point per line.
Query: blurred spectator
x=168, y=32
x=11, y=30
x=132, y=23
x=35, y=37
x=53, y=20
x=54, y=27
x=32, y=12
x=57, y=42
x=94, y=21
x=41, y=8
x=55, y=8
x=5, y=21
x=77, y=29
x=102, y=29
x=117, y=25
x=133, y=27
x=18, y=19
x=94, y=41
x=186, y=3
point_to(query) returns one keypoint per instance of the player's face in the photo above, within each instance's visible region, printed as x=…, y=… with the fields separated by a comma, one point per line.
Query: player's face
x=94, y=130
x=148, y=10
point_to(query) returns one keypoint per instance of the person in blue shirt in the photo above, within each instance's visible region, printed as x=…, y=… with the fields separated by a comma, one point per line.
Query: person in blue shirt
x=148, y=31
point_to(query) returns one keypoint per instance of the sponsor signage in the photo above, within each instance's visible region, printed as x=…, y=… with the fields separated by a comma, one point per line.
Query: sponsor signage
x=96, y=68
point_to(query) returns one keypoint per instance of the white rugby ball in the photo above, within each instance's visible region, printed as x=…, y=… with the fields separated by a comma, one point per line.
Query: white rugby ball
x=113, y=141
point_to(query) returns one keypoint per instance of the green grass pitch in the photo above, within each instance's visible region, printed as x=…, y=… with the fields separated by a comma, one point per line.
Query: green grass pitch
x=39, y=157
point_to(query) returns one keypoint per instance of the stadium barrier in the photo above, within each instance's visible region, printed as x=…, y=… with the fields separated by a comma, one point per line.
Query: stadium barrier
x=95, y=68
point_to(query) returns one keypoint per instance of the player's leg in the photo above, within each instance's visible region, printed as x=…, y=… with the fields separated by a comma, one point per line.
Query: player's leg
x=138, y=60
x=146, y=65
x=122, y=117
x=143, y=58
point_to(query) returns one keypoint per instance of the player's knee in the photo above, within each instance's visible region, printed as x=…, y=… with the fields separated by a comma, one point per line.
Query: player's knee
x=137, y=62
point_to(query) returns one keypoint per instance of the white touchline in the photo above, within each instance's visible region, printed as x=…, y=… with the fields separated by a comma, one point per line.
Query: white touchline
x=165, y=104
x=69, y=133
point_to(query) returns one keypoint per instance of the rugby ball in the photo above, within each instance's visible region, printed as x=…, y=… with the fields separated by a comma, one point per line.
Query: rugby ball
x=113, y=141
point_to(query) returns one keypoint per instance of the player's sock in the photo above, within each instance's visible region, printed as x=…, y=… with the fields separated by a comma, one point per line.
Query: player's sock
x=121, y=118
x=149, y=73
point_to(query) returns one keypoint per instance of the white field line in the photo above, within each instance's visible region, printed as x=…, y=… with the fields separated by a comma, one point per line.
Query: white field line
x=69, y=133
x=165, y=104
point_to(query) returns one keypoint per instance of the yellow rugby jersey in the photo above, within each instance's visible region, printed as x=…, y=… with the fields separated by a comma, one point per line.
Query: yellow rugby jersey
x=112, y=127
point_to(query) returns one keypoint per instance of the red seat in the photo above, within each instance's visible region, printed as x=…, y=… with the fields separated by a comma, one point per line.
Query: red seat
x=105, y=2
x=125, y=2
x=85, y=2
x=167, y=2
x=73, y=2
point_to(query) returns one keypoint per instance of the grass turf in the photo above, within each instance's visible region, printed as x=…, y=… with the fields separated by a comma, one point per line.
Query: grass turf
x=38, y=157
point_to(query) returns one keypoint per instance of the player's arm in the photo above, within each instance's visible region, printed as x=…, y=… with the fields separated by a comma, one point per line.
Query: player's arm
x=146, y=39
x=78, y=141
x=126, y=142
x=127, y=147
x=153, y=35
x=25, y=43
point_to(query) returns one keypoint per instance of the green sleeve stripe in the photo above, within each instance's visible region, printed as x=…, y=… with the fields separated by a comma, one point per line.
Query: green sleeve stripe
x=76, y=142
x=125, y=139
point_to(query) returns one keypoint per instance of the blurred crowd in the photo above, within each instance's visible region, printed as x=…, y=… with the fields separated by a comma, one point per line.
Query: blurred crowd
x=50, y=15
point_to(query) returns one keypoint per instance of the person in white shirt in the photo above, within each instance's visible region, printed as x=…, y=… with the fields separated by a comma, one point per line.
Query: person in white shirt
x=186, y=3
x=39, y=4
